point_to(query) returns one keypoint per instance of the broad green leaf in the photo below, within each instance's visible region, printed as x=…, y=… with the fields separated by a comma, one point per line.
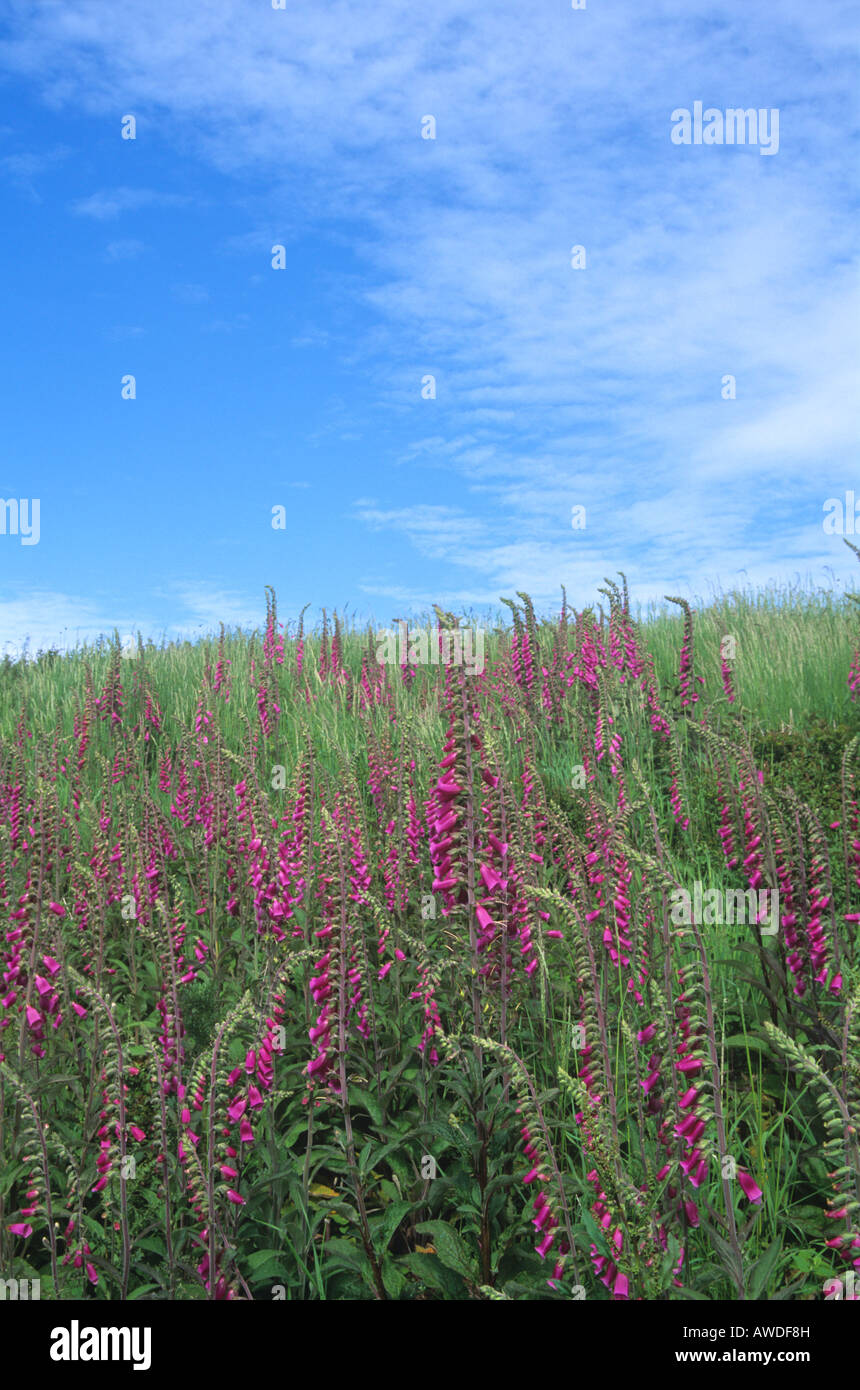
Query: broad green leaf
x=451, y=1249
x=763, y=1268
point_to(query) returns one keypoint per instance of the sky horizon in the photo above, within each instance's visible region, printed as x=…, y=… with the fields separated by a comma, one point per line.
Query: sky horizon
x=445, y=287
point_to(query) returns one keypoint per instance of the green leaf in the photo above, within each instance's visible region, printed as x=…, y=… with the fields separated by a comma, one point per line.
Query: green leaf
x=442, y=1130
x=450, y=1248
x=389, y=1222
x=727, y=1256
x=503, y=1180
x=262, y=1257
x=150, y=1243
x=371, y=1158
x=12, y=1174
x=292, y=1134
x=432, y=1272
x=763, y=1268
x=343, y=1252
x=790, y=1290
x=427, y=1268
x=364, y=1100
x=392, y=1277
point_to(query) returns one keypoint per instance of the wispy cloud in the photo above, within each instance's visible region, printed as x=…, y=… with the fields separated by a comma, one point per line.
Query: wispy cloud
x=190, y=294
x=120, y=332
x=555, y=386
x=26, y=166
x=204, y=606
x=46, y=619
x=124, y=249
x=109, y=203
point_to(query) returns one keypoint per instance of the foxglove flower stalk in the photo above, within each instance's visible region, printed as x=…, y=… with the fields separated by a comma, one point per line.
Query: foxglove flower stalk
x=321, y=989
x=110, y=703
x=415, y=832
x=545, y=1220
x=726, y=673
x=685, y=673
x=675, y=799
x=605, y=1267
x=300, y=642
x=268, y=711
x=726, y=831
x=336, y=987
x=426, y=993
x=323, y=662
x=659, y=722
x=448, y=813
x=493, y=888
x=219, y=684
x=851, y=834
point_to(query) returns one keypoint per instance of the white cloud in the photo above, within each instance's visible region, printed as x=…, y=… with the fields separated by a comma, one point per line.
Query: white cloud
x=47, y=619
x=24, y=167
x=109, y=203
x=203, y=607
x=125, y=249
x=190, y=294
x=555, y=386
x=44, y=619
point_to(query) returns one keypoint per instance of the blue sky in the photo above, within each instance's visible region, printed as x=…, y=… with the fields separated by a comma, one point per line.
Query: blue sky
x=405, y=257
